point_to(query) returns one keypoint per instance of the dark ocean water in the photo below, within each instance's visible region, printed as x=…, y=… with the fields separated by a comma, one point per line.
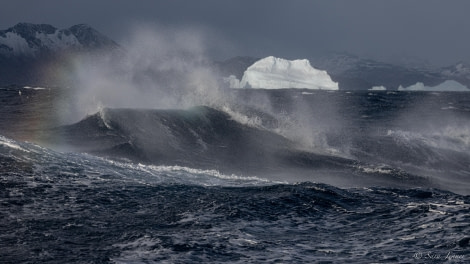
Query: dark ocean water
x=277, y=177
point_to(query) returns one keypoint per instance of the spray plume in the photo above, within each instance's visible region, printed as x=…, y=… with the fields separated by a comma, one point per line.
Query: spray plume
x=160, y=68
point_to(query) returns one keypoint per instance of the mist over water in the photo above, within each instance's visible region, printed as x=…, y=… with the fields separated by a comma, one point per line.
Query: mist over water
x=424, y=134
x=159, y=68
x=168, y=68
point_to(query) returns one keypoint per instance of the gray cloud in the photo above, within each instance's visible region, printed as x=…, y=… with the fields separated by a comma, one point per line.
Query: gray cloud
x=433, y=30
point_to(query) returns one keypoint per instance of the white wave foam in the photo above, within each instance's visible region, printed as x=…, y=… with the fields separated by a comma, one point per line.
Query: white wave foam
x=254, y=121
x=134, y=251
x=94, y=169
x=10, y=144
x=185, y=175
x=212, y=173
x=375, y=169
x=34, y=88
x=455, y=138
x=103, y=116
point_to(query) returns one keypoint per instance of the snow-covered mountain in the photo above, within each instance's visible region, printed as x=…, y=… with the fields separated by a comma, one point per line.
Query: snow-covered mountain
x=30, y=52
x=277, y=73
x=32, y=40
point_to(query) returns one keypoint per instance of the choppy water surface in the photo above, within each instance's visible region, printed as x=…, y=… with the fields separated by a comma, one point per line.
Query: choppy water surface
x=308, y=178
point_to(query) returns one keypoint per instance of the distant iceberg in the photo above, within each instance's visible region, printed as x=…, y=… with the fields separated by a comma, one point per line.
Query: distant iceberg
x=277, y=73
x=447, y=86
x=378, y=88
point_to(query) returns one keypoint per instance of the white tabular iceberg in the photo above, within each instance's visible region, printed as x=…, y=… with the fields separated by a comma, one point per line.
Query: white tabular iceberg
x=447, y=86
x=276, y=73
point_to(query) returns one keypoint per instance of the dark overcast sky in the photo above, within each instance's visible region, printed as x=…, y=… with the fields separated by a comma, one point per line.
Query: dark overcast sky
x=434, y=30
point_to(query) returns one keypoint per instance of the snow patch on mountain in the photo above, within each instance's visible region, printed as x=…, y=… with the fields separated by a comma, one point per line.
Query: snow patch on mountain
x=277, y=73
x=16, y=44
x=457, y=70
x=58, y=40
x=447, y=86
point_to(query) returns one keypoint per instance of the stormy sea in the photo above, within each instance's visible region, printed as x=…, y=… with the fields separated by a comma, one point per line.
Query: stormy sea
x=273, y=176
